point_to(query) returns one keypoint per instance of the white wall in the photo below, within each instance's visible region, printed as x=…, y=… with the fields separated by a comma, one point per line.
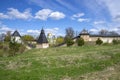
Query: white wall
x=17, y=39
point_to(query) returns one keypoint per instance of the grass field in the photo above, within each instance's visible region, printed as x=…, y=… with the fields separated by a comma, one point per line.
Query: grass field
x=63, y=63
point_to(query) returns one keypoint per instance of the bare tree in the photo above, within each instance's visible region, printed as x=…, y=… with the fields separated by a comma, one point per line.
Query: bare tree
x=69, y=32
x=103, y=32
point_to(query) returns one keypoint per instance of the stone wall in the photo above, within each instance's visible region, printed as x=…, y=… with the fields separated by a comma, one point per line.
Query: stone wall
x=104, y=39
x=44, y=45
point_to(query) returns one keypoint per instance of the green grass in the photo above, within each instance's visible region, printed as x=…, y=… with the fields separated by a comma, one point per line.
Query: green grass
x=64, y=63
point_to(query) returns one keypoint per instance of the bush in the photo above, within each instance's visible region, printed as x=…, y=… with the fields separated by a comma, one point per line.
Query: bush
x=22, y=48
x=80, y=42
x=99, y=41
x=115, y=41
x=1, y=45
x=13, y=47
x=69, y=42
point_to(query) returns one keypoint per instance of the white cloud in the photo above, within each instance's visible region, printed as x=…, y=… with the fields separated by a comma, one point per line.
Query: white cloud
x=4, y=28
x=66, y=4
x=78, y=15
x=94, y=31
x=15, y=14
x=117, y=18
x=57, y=15
x=33, y=31
x=56, y=28
x=3, y=16
x=83, y=20
x=99, y=22
x=112, y=6
x=44, y=14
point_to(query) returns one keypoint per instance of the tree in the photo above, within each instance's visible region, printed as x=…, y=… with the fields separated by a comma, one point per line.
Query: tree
x=113, y=33
x=69, y=33
x=8, y=36
x=80, y=42
x=69, y=42
x=116, y=41
x=28, y=38
x=14, y=47
x=103, y=32
x=59, y=40
x=99, y=41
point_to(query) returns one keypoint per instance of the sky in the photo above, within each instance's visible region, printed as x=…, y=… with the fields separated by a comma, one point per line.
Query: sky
x=54, y=16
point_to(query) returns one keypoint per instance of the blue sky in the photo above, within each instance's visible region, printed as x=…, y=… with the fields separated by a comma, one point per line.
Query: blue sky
x=29, y=16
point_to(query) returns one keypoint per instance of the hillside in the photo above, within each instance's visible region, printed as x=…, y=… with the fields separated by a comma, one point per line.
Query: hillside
x=64, y=63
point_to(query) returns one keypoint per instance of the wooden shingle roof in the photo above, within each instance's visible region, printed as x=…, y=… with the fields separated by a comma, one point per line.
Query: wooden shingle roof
x=42, y=38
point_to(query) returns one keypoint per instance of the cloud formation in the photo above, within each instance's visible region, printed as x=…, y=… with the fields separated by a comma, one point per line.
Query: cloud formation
x=44, y=14
x=113, y=8
x=79, y=17
x=98, y=22
x=4, y=28
x=83, y=20
x=57, y=15
x=15, y=14
x=3, y=16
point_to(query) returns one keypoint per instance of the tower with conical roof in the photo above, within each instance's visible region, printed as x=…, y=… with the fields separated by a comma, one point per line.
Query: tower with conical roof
x=42, y=41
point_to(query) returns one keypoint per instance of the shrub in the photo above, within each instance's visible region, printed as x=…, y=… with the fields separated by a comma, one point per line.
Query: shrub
x=69, y=42
x=22, y=48
x=1, y=45
x=115, y=41
x=13, y=47
x=99, y=41
x=80, y=42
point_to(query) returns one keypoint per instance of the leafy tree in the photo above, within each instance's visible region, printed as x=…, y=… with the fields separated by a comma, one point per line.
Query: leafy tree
x=8, y=36
x=28, y=38
x=99, y=41
x=69, y=42
x=59, y=40
x=115, y=41
x=80, y=42
x=13, y=47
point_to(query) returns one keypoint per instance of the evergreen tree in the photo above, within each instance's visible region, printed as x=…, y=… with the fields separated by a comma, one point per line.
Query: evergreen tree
x=99, y=41
x=13, y=47
x=69, y=42
x=80, y=42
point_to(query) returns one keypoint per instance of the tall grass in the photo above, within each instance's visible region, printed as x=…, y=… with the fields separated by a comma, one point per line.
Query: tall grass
x=64, y=63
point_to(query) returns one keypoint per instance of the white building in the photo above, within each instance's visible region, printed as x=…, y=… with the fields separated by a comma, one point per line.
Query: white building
x=17, y=37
